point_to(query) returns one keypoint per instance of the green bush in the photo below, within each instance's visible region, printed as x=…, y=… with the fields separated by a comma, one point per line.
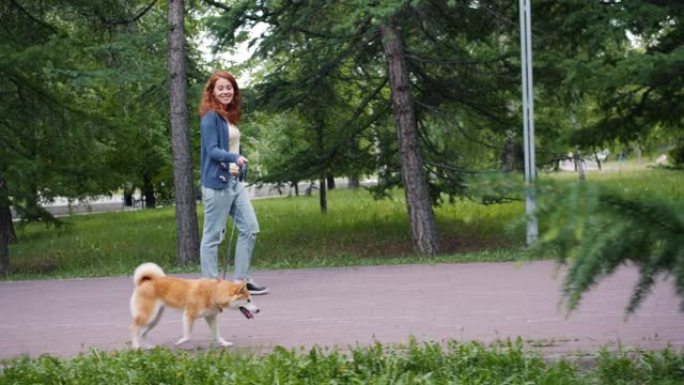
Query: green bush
x=414, y=363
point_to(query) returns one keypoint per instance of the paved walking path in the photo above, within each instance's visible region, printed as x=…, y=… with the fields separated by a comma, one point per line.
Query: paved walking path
x=345, y=306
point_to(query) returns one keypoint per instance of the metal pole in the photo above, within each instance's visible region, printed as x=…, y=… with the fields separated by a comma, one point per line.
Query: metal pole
x=528, y=119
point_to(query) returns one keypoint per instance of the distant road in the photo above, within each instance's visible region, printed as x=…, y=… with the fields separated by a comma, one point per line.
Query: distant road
x=115, y=202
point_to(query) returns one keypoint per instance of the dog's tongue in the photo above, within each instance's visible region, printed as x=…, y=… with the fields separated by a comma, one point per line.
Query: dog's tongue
x=248, y=314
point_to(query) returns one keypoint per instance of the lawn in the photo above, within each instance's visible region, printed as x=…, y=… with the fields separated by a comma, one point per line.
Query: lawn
x=357, y=230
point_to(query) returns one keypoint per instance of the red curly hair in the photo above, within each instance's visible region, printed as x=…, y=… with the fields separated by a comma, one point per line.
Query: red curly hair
x=232, y=112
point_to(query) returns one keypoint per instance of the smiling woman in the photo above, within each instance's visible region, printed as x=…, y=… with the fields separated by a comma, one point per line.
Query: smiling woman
x=222, y=170
x=223, y=91
x=222, y=83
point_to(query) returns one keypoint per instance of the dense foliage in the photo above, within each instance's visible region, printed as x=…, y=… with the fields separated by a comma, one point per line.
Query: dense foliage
x=87, y=81
x=597, y=228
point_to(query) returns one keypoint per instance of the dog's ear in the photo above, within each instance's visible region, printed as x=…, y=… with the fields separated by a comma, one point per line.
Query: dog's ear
x=241, y=287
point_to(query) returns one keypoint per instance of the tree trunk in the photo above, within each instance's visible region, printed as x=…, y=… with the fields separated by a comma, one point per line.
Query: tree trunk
x=421, y=216
x=512, y=157
x=128, y=197
x=579, y=166
x=148, y=192
x=331, y=182
x=186, y=212
x=7, y=234
x=323, y=196
x=598, y=161
x=354, y=181
x=354, y=177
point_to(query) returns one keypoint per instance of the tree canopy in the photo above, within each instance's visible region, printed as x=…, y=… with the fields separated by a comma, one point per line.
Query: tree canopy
x=417, y=93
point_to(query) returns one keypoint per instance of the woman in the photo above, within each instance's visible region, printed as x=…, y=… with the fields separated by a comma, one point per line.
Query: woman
x=222, y=191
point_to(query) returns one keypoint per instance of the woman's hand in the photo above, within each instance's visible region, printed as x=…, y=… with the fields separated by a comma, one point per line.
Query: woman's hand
x=241, y=161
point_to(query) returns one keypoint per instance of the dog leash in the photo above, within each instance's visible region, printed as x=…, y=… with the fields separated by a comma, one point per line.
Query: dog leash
x=230, y=247
x=242, y=176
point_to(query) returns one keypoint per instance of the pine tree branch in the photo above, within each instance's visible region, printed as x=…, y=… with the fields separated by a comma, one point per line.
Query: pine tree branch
x=140, y=14
x=36, y=20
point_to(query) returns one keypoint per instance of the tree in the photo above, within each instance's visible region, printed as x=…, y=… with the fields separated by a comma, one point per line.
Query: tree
x=634, y=94
x=187, y=230
x=615, y=68
x=594, y=230
x=321, y=99
x=82, y=84
x=462, y=57
x=52, y=134
x=355, y=42
x=82, y=97
x=421, y=217
x=7, y=234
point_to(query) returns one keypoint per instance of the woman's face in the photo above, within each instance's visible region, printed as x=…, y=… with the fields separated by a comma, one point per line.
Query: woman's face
x=223, y=91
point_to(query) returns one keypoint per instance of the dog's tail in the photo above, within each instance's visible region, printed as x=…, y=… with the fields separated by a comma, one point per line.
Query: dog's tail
x=147, y=271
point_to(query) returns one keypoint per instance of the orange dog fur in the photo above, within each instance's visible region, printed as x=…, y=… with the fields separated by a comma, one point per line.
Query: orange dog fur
x=196, y=297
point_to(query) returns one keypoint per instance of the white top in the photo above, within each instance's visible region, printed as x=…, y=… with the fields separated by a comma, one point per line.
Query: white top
x=233, y=143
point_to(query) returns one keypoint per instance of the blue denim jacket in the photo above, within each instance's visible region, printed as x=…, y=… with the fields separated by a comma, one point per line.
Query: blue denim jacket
x=214, y=154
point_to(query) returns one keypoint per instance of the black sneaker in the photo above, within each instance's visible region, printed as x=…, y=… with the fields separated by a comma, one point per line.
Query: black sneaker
x=256, y=289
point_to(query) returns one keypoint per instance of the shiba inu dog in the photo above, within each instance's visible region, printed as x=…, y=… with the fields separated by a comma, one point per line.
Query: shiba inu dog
x=196, y=297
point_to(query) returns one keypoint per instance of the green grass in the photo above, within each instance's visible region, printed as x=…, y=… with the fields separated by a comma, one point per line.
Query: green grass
x=357, y=230
x=413, y=363
x=643, y=181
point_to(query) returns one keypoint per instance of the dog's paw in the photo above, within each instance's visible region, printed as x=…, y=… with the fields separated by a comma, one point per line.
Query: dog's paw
x=182, y=340
x=223, y=342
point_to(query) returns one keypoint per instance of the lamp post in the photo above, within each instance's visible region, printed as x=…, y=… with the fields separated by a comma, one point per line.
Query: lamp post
x=528, y=119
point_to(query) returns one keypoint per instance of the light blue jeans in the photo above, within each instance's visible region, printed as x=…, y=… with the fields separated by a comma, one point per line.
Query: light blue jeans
x=218, y=205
